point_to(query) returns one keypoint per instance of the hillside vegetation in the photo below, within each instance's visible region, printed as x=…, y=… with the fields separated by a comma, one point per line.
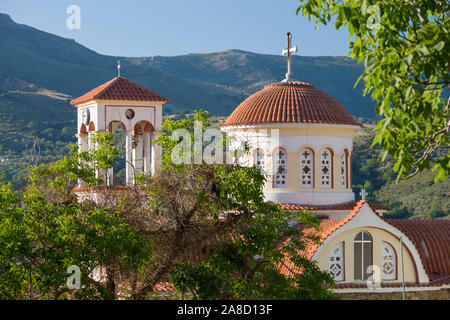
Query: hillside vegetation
x=40, y=73
x=418, y=197
x=216, y=82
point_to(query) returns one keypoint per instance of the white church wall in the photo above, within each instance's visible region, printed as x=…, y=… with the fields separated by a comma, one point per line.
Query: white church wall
x=91, y=106
x=380, y=231
x=294, y=141
x=115, y=111
x=309, y=197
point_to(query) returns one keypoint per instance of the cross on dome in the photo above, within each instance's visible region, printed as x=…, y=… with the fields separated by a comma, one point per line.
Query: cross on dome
x=287, y=52
x=118, y=68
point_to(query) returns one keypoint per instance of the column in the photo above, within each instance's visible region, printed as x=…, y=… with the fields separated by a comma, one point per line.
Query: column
x=82, y=146
x=147, y=152
x=156, y=154
x=137, y=154
x=89, y=141
x=110, y=177
x=128, y=159
x=91, y=147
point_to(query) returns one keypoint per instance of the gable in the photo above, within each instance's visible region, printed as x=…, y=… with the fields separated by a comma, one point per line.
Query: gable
x=363, y=216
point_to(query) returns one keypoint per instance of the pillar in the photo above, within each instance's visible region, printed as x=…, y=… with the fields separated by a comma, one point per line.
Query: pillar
x=147, y=152
x=156, y=154
x=82, y=146
x=138, y=154
x=128, y=159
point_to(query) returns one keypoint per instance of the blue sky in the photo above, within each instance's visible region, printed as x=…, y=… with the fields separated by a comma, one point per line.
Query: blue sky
x=175, y=27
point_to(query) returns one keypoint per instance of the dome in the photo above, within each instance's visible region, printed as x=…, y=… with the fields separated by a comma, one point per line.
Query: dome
x=289, y=102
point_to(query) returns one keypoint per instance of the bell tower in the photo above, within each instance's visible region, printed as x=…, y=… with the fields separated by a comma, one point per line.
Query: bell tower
x=137, y=110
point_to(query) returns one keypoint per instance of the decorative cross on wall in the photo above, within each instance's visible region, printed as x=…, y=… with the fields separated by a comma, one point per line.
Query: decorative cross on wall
x=363, y=194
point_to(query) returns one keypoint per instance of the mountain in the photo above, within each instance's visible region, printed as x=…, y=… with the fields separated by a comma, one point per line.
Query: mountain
x=217, y=82
x=40, y=73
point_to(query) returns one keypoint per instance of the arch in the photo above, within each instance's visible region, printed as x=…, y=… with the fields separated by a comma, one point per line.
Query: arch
x=83, y=128
x=259, y=159
x=111, y=128
x=389, y=261
x=344, y=169
x=148, y=127
x=280, y=166
x=307, y=167
x=326, y=168
x=336, y=263
x=366, y=217
x=91, y=126
x=138, y=129
x=362, y=255
x=143, y=126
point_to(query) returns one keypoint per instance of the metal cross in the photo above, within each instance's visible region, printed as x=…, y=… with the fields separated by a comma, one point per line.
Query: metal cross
x=363, y=194
x=287, y=52
x=118, y=68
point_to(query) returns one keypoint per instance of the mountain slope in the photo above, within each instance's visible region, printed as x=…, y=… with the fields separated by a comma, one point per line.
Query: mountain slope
x=217, y=82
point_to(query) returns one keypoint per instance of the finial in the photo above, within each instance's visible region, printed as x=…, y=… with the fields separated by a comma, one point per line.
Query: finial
x=287, y=52
x=118, y=68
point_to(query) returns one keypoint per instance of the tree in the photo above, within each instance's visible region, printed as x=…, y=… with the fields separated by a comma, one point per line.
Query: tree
x=189, y=216
x=404, y=46
x=211, y=223
x=248, y=267
x=46, y=229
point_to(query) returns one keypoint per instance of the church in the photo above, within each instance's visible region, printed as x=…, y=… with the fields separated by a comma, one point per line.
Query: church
x=308, y=166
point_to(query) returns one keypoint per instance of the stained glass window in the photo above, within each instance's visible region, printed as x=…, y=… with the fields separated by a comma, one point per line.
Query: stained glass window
x=336, y=262
x=389, y=262
x=326, y=161
x=307, y=168
x=280, y=169
x=259, y=161
x=362, y=255
x=344, y=170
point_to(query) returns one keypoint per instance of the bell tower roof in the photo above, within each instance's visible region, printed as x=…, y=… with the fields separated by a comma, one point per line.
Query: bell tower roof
x=120, y=88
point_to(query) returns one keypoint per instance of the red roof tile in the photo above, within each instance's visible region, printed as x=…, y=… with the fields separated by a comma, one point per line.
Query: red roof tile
x=290, y=102
x=350, y=205
x=327, y=227
x=432, y=239
x=120, y=88
x=359, y=285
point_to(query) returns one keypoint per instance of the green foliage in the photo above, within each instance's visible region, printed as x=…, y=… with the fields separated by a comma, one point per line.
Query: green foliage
x=408, y=198
x=232, y=271
x=41, y=240
x=185, y=126
x=213, y=211
x=46, y=229
x=248, y=267
x=404, y=47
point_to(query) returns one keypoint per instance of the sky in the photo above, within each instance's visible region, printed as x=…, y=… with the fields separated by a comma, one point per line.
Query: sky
x=135, y=28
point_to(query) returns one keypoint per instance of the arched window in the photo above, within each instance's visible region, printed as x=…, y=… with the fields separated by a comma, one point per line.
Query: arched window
x=259, y=161
x=307, y=168
x=336, y=262
x=362, y=255
x=326, y=169
x=344, y=178
x=389, y=262
x=280, y=168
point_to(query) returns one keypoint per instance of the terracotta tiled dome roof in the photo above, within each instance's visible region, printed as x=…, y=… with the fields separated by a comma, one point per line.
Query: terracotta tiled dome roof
x=290, y=102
